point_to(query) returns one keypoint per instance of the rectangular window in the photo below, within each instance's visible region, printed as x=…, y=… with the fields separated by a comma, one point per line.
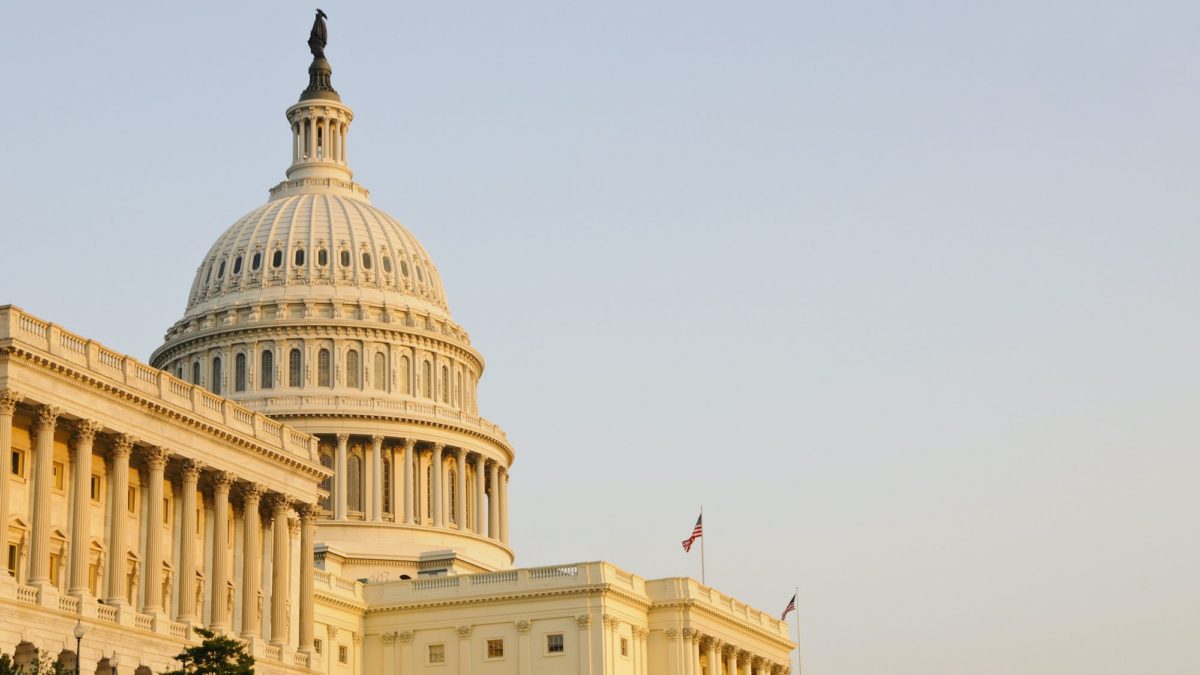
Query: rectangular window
x=96, y=487
x=92, y=578
x=130, y=583
x=199, y=520
x=58, y=470
x=624, y=647
x=53, y=568
x=554, y=643
x=131, y=499
x=343, y=654
x=12, y=560
x=437, y=653
x=166, y=511
x=317, y=646
x=18, y=463
x=495, y=649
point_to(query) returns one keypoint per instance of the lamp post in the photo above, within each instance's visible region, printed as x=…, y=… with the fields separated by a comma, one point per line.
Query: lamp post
x=78, y=640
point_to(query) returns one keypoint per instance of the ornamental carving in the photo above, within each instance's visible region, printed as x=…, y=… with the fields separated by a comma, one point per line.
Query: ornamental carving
x=8, y=401
x=189, y=470
x=84, y=431
x=277, y=504
x=689, y=633
x=46, y=416
x=524, y=625
x=464, y=632
x=155, y=457
x=388, y=638
x=672, y=633
x=583, y=620
x=306, y=511
x=405, y=636
x=222, y=481
x=251, y=492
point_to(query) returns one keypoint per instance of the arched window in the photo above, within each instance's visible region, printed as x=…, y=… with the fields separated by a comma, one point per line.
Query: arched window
x=277, y=259
x=387, y=264
x=239, y=372
x=453, y=481
x=386, y=484
x=294, y=369
x=196, y=372
x=208, y=274
x=221, y=270
x=458, y=388
x=322, y=257
x=469, y=500
x=298, y=259
x=353, y=372
x=404, y=268
x=354, y=483
x=266, y=376
x=324, y=378
x=427, y=377
x=429, y=491
x=380, y=371
x=403, y=376
x=256, y=262
x=237, y=265
x=420, y=276
x=366, y=260
x=445, y=385
x=215, y=385
x=344, y=258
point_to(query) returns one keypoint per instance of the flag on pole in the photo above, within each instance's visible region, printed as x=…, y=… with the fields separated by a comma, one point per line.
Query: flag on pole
x=790, y=608
x=697, y=532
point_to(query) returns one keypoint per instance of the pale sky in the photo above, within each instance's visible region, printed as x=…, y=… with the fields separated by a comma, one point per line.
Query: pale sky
x=904, y=293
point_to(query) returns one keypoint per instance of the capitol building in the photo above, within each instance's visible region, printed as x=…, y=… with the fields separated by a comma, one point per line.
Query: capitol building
x=302, y=465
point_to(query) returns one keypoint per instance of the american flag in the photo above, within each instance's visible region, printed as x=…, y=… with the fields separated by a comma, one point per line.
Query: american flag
x=790, y=608
x=697, y=532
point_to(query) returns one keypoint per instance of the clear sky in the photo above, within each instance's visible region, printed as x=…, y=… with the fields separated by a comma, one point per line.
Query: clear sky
x=905, y=294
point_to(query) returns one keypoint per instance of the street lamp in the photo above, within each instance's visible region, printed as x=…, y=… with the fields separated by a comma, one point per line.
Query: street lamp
x=78, y=639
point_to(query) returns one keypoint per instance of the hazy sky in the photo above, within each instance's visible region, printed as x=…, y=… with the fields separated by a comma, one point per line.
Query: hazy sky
x=905, y=293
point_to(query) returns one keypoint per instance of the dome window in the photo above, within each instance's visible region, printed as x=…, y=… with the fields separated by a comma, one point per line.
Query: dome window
x=237, y=265
x=256, y=262
x=420, y=276
x=366, y=261
x=299, y=257
x=208, y=274
x=387, y=264
x=344, y=258
x=404, y=268
x=221, y=270
x=277, y=259
x=322, y=257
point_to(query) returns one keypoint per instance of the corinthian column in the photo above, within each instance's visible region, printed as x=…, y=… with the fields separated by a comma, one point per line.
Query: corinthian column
x=118, y=491
x=251, y=560
x=375, y=502
x=307, y=513
x=189, y=477
x=219, y=605
x=410, y=451
x=280, y=566
x=436, y=480
x=494, y=499
x=43, y=474
x=504, y=506
x=460, y=489
x=156, y=462
x=339, y=504
x=8, y=406
x=480, y=481
x=85, y=434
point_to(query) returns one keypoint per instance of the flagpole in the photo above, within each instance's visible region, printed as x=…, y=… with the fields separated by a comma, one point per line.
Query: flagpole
x=702, y=579
x=797, y=596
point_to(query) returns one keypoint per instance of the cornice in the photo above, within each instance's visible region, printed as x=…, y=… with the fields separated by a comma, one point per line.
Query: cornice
x=700, y=608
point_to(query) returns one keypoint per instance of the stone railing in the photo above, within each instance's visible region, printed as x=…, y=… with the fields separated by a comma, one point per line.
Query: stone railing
x=143, y=622
x=106, y=613
x=300, y=659
x=689, y=590
x=106, y=364
x=273, y=652
x=377, y=405
x=178, y=630
x=337, y=586
x=533, y=579
x=27, y=594
x=68, y=603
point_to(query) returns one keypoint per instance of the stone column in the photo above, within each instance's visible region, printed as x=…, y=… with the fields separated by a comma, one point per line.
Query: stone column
x=584, y=623
x=504, y=507
x=398, y=495
x=744, y=662
x=85, y=434
x=219, y=605
x=156, y=462
x=308, y=514
x=435, y=476
x=460, y=489
x=480, y=499
x=611, y=636
x=43, y=476
x=280, y=566
x=339, y=503
x=8, y=406
x=410, y=451
x=524, y=649
x=189, y=477
x=251, y=561
x=376, y=500
x=406, y=655
x=731, y=660
x=118, y=480
x=714, y=656
x=464, y=650
x=494, y=499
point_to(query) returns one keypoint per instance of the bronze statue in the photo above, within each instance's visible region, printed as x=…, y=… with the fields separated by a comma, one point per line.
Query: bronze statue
x=319, y=37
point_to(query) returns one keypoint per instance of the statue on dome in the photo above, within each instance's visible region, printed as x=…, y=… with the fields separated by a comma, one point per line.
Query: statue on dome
x=319, y=36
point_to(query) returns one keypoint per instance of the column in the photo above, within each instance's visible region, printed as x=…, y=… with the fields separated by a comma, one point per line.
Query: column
x=376, y=497
x=524, y=649
x=251, y=560
x=118, y=481
x=406, y=655
x=584, y=623
x=695, y=652
x=714, y=655
x=480, y=480
x=744, y=662
x=339, y=499
x=311, y=141
x=307, y=513
x=493, y=499
x=155, y=463
x=219, y=604
x=504, y=507
x=686, y=649
x=8, y=406
x=81, y=480
x=43, y=475
x=280, y=566
x=464, y=650
x=436, y=480
x=189, y=477
x=460, y=489
x=398, y=495
x=731, y=660
x=410, y=447
x=612, y=626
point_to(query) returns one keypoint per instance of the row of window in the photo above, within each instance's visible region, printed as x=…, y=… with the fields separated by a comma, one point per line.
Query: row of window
x=494, y=648
x=299, y=257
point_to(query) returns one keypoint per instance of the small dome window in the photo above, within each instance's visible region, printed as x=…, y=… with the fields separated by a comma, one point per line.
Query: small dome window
x=256, y=262
x=277, y=259
x=387, y=264
x=404, y=268
x=299, y=257
x=221, y=270
x=420, y=277
x=322, y=257
x=237, y=265
x=208, y=274
x=366, y=261
x=344, y=258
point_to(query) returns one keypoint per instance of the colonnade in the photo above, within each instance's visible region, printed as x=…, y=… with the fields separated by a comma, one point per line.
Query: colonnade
x=709, y=655
x=441, y=500
x=160, y=599
x=332, y=145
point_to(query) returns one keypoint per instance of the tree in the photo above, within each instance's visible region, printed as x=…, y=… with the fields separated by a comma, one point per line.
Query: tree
x=215, y=655
x=41, y=665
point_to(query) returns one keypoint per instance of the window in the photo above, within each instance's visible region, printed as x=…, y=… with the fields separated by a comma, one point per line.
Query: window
x=17, y=465
x=352, y=369
x=277, y=259
x=298, y=259
x=445, y=385
x=208, y=274
x=196, y=373
x=11, y=562
x=58, y=470
x=237, y=265
x=495, y=649
x=95, y=488
x=131, y=499
x=322, y=257
x=54, y=569
x=403, y=376
x=215, y=385
x=294, y=368
x=366, y=260
x=453, y=483
x=354, y=499
x=624, y=647
x=92, y=573
x=344, y=258
x=130, y=584
x=256, y=262
x=437, y=653
x=404, y=268
x=380, y=371
x=343, y=654
x=266, y=378
x=239, y=372
x=317, y=646
x=386, y=483
x=387, y=264
x=420, y=276
x=427, y=377
x=323, y=369
x=458, y=388
x=221, y=270
x=429, y=491
x=166, y=510
x=554, y=643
